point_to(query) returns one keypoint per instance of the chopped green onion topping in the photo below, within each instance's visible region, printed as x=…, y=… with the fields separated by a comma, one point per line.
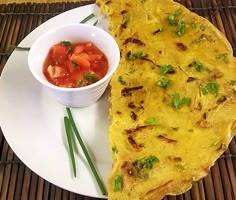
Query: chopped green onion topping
x=126, y=19
x=117, y=183
x=180, y=28
x=164, y=82
x=193, y=25
x=121, y=80
x=199, y=66
x=95, y=23
x=223, y=57
x=114, y=149
x=134, y=56
x=166, y=69
x=151, y=121
x=79, y=83
x=212, y=88
x=203, y=28
x=75, y=64
x=146, y=163
x=172, y=18
x=175, y=128
x=66, y=43
x=177, y=102
x=90, y=77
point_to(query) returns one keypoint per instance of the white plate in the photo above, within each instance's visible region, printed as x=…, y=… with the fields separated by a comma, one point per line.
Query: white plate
x=32, y=121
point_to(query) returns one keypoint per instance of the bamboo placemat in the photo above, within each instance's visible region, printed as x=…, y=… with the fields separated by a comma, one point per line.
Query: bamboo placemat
x=19, y=182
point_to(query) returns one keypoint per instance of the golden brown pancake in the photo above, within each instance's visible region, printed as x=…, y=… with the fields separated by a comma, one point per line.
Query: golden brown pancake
x=173, y=98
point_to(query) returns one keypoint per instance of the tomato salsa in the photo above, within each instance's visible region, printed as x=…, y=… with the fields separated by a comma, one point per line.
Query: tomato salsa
x=74, y=65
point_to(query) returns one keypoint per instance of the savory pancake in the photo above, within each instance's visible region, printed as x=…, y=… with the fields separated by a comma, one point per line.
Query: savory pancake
x=173, y=98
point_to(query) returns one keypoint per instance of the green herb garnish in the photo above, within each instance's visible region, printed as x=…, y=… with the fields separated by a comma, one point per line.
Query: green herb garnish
x=164, y=82
x=117, y=183
x=166, y=69
x=180, y=28
x=134, y=56
x=66, y=43
x=69, y=140
x=75, y=64
x=203, y=28
x=146, y=163
x=90, y=162
x=199, y=66
x=95, y=23
x=151, y=121
x=79, y=83
x=121, y=80
x=114, y=149
x=175, y=128
x=87, y=18
x=126, y=19
x=177, y=102
x=193, y=25
x=90, y=77
x=172, y=18
x=212, y=88
x=223, y=57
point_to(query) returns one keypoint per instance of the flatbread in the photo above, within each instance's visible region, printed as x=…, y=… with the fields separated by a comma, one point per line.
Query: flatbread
x=173, y=98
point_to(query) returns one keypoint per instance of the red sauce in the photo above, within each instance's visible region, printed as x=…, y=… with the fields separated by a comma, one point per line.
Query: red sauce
x=75, y=65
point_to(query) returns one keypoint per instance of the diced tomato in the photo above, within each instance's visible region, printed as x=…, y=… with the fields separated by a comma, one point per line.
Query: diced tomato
x=78, y=49
x=59, y=51
x=56, y=71
x=66, y=66
x=81, y=60
x=71, y=66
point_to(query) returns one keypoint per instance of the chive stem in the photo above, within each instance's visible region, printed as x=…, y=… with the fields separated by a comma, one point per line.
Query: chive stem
x=20, y=48
x=87, y=18
x=73, y=125
x=69, y=140
x=95, y=23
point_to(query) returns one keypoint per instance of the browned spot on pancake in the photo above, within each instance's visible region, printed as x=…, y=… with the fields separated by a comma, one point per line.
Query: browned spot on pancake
x=128, y=168
x=222, y=147
x=190, y=79
x=214, y=74
x=127, y=91
x=199, y=106
x=134, y=105
x=156, y=31
x=134, y=144
x=167, y=140
x=136, y=129
x=149, y=60
x=108, y=2
x=203, y=123
x=123, y=12
x=175, y=158
x=133, y=115
x=134, y=40
x=204, y=116
x=221, y=99
x=181, y=46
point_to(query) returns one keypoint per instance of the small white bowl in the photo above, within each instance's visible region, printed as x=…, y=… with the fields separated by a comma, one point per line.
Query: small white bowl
x=74, y=97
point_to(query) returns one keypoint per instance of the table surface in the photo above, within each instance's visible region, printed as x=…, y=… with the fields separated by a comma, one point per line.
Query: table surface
x=17, y=181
